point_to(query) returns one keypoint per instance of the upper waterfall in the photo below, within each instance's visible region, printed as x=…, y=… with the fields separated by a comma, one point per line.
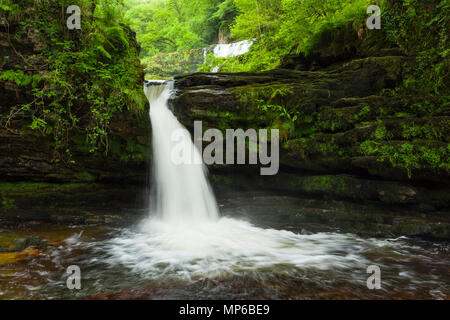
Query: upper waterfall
x=232, y=49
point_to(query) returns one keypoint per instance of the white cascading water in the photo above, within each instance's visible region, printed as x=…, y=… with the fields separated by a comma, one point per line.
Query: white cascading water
x=232, y=49
x=186, y=238
x=180, y=187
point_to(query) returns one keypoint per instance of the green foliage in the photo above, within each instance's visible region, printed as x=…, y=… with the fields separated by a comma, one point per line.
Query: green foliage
x=279, y=26
x=365, y=110
x=20, y=78
x=164, y=26
x=90, y=74
x=281, y=110
x=12, y=9
x=381, y=133
x=421, y=28
x=225, y=14
x=409, y=155
x=426, y=131
x=268, y=102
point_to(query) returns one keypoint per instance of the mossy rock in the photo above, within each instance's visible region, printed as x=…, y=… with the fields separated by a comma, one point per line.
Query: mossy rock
x=13, y=242
x=335, y=45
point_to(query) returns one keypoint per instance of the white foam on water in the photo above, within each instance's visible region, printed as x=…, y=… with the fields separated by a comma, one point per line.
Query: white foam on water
x=230, y=246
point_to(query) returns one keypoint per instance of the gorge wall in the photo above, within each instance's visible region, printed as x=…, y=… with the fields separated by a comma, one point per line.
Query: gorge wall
x=54, y=127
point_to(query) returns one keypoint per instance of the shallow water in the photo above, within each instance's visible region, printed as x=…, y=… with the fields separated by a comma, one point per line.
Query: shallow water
x=229, y=259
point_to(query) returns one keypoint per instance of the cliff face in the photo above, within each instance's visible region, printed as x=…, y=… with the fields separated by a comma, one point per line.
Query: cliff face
x=31, y=147
x=344, y=135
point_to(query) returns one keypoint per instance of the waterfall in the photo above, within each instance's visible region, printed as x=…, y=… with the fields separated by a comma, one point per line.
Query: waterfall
x=228, y=50
x=186, y=238
x=183, y=194
x=232, y=49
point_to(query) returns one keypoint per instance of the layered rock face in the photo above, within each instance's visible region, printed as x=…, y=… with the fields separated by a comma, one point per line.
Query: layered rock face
x=344, y=136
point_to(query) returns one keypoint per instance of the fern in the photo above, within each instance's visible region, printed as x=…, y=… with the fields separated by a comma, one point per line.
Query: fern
x=102, y=50
x=116, y=36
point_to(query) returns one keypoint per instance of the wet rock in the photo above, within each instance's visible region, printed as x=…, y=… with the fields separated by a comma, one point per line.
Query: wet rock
x=14, y=257
x=70, y=203
x=129, y=294
x=345, y=203
x=13, y=242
